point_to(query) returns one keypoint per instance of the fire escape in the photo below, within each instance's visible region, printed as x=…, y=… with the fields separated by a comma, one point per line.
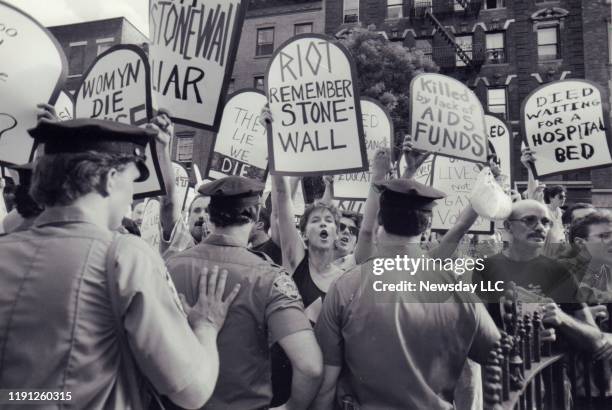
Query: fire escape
x=452, y=55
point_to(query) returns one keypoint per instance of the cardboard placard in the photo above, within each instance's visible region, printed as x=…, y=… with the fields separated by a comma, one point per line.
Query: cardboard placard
x=241, y=146
x=192, y=52
x=33, y=70
x=447, y=118
x=150, y=227
x=378, y=129
x=349, y=205
x=566, y=125
x=117, y=88
x=181, y=182
x=64, y=106
x=191, y=195
x=500, y=140
x=314, y=101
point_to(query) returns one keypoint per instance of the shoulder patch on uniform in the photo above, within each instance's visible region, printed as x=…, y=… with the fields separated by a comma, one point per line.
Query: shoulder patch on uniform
x=285, y=285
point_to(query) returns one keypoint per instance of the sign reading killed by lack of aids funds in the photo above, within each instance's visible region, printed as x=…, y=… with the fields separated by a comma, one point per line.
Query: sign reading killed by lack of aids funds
x=566, y=126
x=378, y=129
x=32, y=71
x=192, y=52
x=117, y=88
x=241, y=147
x=447, y=118
x=500, y=140
x=314, y=102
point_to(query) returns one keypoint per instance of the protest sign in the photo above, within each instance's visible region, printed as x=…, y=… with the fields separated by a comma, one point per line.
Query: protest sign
x=32, y=71
x=424, y=173
x=500, y=140
x=117, y=88
x=64, y=106
x=241, y=146
x=181, y=182
x=566, y=126
x=314, y=101
x=447, y=118
x=149, y=228
x=192, y=52
x=349, y=205
x=191, y=195
x=378, y=129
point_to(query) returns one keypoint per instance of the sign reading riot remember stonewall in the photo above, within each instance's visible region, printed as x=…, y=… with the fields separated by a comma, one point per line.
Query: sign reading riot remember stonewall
x=566, y=127
x=501, y=142
x=378, y=129
x=314, y=101
x=241, y=147
x=192, y=52
x=447, y=118
x=117, y=88
x=32, y=71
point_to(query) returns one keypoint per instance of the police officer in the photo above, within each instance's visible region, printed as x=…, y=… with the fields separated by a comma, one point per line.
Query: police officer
x=26, y=210
x=269, y=308
x=408, y=352
x=89, y=313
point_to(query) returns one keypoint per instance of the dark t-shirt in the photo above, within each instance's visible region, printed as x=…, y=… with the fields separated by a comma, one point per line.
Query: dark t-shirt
x=272, y=250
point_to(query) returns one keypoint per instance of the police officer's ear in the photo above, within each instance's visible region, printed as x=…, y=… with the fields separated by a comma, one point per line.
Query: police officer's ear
x=108, y=182
x=580, y=242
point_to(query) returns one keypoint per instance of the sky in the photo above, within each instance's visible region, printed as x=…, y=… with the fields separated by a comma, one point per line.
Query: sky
x=58, y=12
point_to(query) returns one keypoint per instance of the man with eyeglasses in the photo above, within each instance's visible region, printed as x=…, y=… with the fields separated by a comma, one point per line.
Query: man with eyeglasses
x=348, y=233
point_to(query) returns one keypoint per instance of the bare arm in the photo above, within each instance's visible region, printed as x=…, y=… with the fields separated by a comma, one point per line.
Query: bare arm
x=290, y=239
x=450, y=241
x=325, y=397
x=327, y=194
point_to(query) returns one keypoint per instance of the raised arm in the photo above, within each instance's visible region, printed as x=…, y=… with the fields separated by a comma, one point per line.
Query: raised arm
x=450, y=241
x=327, y=194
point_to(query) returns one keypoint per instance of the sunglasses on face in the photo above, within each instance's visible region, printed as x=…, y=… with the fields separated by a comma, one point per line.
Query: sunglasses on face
x=353, y=231
x=532, y=220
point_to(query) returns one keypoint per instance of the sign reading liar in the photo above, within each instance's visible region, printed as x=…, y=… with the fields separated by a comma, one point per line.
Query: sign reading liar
x=32, y=71
x=378, y=129
x=192, y=52
x=241, y=147
x=117, y=88
x=314, y=101
x=447, y=118
x=566, y=126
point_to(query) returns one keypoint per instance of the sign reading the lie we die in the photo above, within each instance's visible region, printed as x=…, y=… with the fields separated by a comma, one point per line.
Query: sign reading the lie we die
x=241, y=147
x=566, y=126
x=32, y=71
x=117, y=88
x=192, y=51
x=378, y=129
x=447, y=118
x=500, y=139
x=317, y=127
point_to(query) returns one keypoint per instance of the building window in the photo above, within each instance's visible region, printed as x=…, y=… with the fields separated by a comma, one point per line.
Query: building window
x=548, y=43
x=395, y=9
x=350, y=11
x=424, y=45
x=76, y=64
x=184, y=146
x=494, y=4
x=496, y=49
x=104, y=44
x=302, y=28
x=258, y=82
x=265, y=41
x=497, y=101
x=465, y=42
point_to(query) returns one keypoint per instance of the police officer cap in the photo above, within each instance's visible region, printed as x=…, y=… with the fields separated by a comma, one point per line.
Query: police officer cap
x=233, y=191
x=81, y=135
x=25, y=173
x=407, y=193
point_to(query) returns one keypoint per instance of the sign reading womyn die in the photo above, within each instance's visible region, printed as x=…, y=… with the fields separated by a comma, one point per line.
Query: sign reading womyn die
x=447, y=118
x=117, y=88
x=378, y=129
x=241, y=147
x=314, y=101
x=192, y=52
x=565, y=125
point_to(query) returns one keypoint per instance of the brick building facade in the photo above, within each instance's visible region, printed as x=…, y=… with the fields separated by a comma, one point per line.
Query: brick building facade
x=511, y=48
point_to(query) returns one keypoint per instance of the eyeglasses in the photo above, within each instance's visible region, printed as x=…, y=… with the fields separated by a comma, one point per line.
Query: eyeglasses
x=532, y=220
x=603, y=237
x=354, y=231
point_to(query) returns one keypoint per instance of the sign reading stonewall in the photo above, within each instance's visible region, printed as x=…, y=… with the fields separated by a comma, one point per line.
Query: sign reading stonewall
x=378, y=129
x=241, y=147
x=314, y=101
x=117, y=88
x=566, y=126
x=192, y=52
x=501, y=142
x=447, y=118
x=32, y=71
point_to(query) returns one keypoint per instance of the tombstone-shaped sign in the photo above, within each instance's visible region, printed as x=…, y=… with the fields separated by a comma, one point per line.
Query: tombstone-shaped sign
x=117, y=88
x=500, y=140
x=64, y=106
x=32, y=71
x=566, y=125
x=149, y=228
x=378, y=129
x=181, y=182
x=192, y=52
x=317, y=127
x=447, y=118
x=241, y=146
